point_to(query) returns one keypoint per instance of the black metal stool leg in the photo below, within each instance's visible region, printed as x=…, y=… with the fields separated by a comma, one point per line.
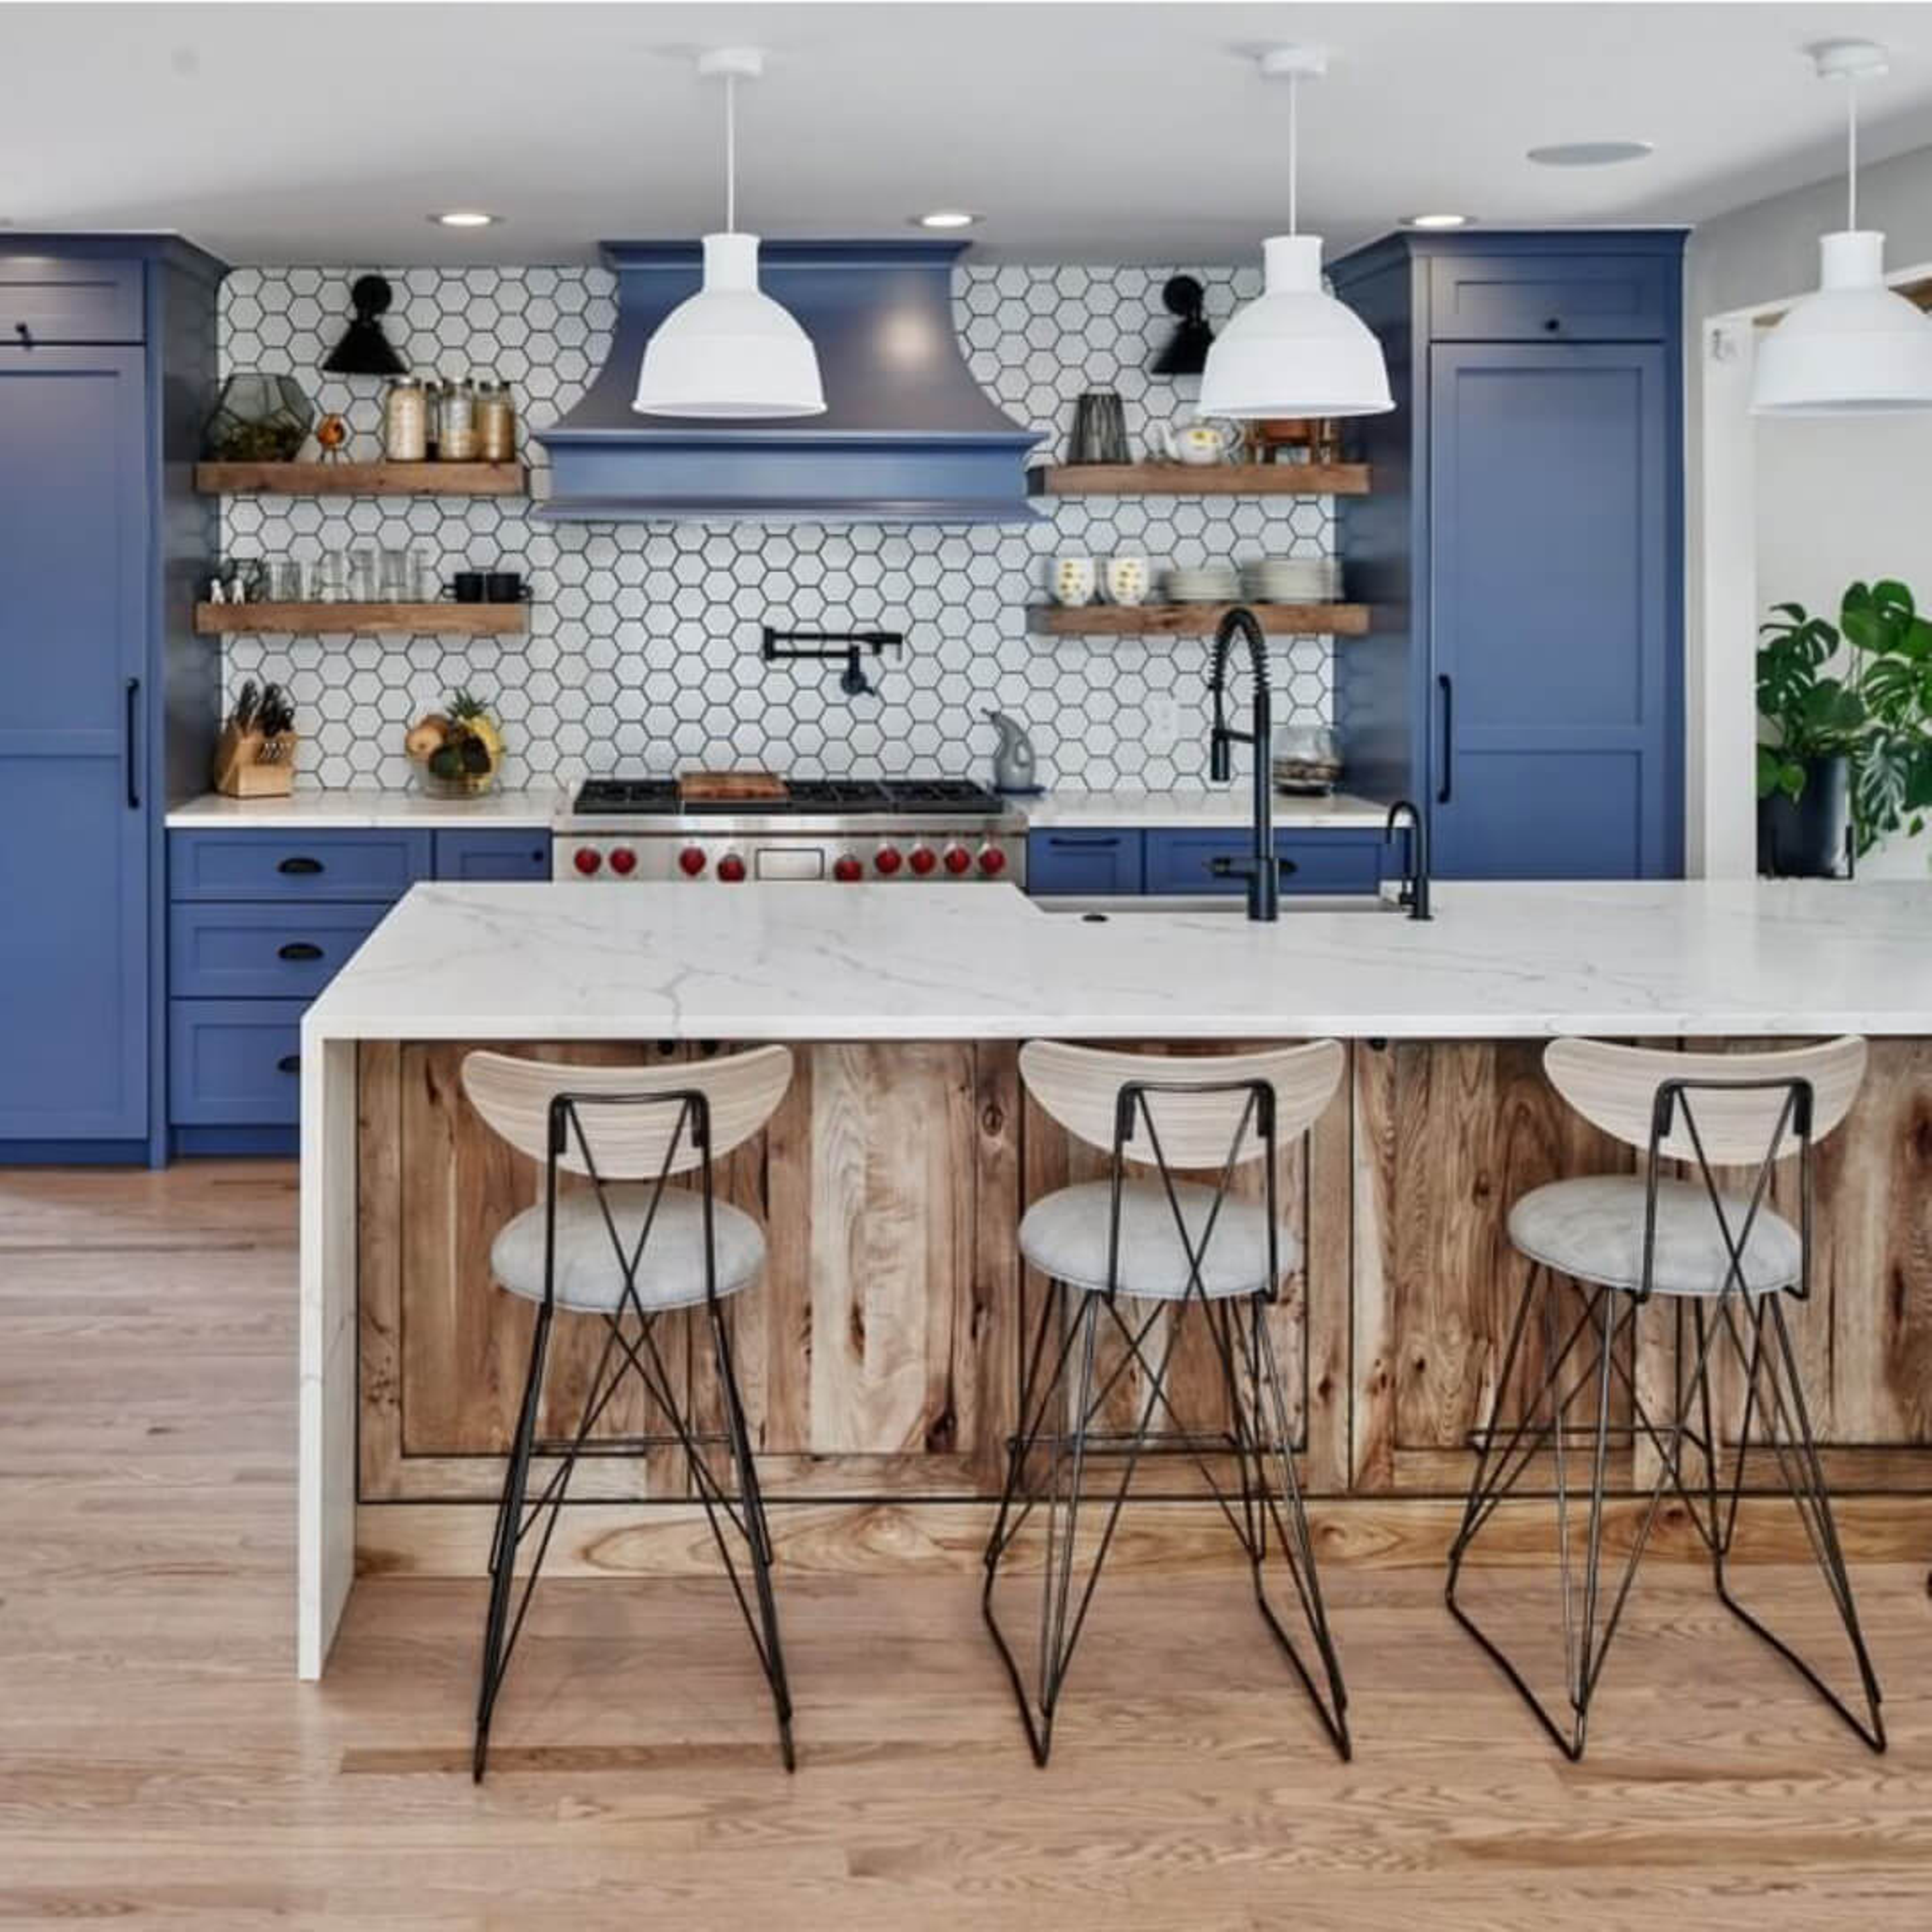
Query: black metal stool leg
x=1774, y=1388
x=503, y=1548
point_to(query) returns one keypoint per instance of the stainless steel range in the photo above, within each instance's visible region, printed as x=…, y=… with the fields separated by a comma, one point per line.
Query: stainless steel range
x=906, y=831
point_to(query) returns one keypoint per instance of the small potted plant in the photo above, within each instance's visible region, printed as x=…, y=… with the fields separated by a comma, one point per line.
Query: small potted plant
x=457, y=751
x=1844, y=755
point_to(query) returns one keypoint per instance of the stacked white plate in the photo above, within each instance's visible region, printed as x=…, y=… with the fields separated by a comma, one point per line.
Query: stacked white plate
x=1292, y=579
x=1203, y=583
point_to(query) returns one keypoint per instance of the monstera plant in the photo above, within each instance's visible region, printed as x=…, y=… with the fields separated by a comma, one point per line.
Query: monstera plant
x=1846, y=718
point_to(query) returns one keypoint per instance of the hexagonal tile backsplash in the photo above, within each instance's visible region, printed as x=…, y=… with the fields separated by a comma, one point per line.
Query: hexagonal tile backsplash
x=642, y=653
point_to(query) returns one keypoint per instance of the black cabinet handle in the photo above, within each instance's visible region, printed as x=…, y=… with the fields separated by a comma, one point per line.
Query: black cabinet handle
x=300, y=949
x=134, y=696
x=1082, y=841
x=300, y=865
x=289, y=1063
x=1446, y=783
x=25, y=334
x=1553, y=325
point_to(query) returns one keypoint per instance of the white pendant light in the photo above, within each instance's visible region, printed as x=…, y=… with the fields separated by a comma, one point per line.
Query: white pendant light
x=1295, y=350
x=730, y=350
x=1856, y=347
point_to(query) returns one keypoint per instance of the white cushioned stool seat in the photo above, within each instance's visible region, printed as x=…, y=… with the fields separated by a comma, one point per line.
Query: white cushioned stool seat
x=588, y=1277
x=1065, y=1235
x=1592, y=1228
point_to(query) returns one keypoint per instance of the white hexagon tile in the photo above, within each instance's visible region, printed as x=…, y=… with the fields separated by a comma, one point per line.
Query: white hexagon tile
x=642, y=651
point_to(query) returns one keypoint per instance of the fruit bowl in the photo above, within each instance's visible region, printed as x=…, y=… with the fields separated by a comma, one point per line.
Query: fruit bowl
x=457, y=751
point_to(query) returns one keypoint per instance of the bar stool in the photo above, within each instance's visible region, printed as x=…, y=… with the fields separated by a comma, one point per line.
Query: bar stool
x=1161, y=1244
x=1727, y=1258
x=626, y=1250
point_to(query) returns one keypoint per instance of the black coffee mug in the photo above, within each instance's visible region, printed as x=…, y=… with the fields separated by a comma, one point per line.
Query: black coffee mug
x=470, y=586
x=506, y=587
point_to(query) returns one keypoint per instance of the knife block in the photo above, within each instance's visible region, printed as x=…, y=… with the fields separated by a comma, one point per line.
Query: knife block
x=248, y=765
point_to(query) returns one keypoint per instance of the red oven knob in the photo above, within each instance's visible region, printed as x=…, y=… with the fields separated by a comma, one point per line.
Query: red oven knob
x=730, y=868
x=690, y=861
x=957, y=859
x=623, y=861
x=887, y=860
x=587, y=859
x=847, y=867
x=922, y=859
x=992, y=860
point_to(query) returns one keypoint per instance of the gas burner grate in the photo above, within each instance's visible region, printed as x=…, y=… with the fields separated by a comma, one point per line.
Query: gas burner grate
x=856, y=795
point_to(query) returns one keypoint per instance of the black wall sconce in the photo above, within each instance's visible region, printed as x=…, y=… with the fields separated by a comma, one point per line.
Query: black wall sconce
x=782, y=646
x=365, y=350
x=1186, y=354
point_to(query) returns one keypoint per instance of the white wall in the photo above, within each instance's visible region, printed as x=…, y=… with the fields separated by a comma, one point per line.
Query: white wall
x=1839, y=500
x=1762, y=254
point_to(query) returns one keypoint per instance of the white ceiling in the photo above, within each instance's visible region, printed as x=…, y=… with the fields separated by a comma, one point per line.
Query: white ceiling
x=1104, y=131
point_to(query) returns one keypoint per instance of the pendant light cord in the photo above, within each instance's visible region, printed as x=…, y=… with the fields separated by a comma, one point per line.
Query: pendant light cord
x=731, y=154
x=1851, y=152
x=1293, y=152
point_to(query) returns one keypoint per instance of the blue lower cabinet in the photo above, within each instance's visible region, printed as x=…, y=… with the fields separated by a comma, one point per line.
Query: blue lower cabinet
x=506, y=854
x=370, y=865
x=235, y=1063
x=218, y=951
x=1322, y=862
x=1084, y=864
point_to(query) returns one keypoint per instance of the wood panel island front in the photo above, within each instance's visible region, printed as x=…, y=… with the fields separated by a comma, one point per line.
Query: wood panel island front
x=880, y=1352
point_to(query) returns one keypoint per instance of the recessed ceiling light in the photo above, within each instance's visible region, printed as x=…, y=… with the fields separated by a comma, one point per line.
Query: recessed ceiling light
x=946, y=217
x=1435, y=220
x=1589, y=153
x=465, y=217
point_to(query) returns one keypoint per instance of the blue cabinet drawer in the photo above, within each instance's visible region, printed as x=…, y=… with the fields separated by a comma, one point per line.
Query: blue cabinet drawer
x=56, y=298
x=1315, y=861
x=261, y=952
x=234, y=1063
x=372, y=865
x=1084, y=863
x=506, y=854
x=1552, y=299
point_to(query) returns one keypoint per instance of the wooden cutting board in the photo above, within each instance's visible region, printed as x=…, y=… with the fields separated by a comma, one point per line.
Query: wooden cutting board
x=712, y=787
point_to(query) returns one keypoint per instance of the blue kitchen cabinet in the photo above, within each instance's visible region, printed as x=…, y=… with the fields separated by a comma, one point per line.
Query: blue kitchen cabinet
x=508, y=853
x=106, y=365
x=1084, y=864
x=370, y=867
x=1520, y=551
x=236, y=1064
x=1311, y=861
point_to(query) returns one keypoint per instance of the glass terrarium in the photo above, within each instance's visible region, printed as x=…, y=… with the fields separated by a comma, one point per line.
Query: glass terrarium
x=258, y=419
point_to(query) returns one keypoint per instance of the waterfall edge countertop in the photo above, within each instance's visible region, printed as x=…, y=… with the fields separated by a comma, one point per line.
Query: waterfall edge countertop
x=564, y=961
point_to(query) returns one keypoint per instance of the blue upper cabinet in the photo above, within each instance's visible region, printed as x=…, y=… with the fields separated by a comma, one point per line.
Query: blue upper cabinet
x=107, y=364
x=1523, y=678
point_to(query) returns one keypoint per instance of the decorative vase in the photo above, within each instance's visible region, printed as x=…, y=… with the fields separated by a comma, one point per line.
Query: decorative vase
x=1807, y=837
x=258, y=419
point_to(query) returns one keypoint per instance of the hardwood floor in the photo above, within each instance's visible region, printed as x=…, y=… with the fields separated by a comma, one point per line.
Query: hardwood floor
x=159, y=1764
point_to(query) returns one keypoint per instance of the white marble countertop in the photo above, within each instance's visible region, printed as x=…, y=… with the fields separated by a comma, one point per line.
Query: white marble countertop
x=564, y=961
x=364, y=808
x=1180, y=811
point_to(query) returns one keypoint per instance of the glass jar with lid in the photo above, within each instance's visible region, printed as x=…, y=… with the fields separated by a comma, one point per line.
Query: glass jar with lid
x=496, y=421
x=405, y=420
x=457, y=441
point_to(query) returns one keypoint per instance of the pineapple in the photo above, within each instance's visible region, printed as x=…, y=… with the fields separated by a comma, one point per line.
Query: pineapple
x=470, y=714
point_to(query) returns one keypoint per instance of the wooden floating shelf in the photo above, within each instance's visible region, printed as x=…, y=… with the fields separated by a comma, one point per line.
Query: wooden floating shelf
x=362, y=479
x=486, y=620
x=1203, y=479
x=1191, y=620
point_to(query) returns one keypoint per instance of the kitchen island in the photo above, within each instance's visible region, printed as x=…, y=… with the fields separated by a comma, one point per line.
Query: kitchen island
x=880, y=1350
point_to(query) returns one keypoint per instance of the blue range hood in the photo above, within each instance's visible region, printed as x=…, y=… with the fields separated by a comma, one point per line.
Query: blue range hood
x=907, y=435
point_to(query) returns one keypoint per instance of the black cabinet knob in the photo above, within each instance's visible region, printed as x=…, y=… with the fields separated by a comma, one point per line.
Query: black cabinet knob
x=299, y=865
x=289, y=1063
x=1553, y=325
x=300, y=949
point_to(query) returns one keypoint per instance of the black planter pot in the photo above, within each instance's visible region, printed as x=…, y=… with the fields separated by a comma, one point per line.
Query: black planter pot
x=1807, y=837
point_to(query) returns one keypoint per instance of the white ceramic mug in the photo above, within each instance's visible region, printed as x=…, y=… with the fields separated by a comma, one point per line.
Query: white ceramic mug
x=1125, y=580
x=1200, y=443
x=1073, y=579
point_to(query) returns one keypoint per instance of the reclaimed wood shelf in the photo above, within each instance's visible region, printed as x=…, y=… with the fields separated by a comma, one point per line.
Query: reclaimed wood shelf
x=1189, y=620
x=484, y=620
x=1203, y=479
x=362, y=479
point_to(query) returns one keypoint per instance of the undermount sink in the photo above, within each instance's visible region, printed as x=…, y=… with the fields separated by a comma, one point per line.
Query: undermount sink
x=1221, y=905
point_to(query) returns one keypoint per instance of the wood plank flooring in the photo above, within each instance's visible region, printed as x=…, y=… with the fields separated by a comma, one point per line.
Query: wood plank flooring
x=160, y=1766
